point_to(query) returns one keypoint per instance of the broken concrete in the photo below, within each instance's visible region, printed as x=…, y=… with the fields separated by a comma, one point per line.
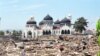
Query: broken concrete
x=49, y=46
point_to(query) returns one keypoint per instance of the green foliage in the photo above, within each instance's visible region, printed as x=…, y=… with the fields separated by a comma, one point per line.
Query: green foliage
x=7, y=31
x=98, y=27
x=98, y=54
x=14, y=33
x=17, y=33
x=98, y=40
x=98, y=34
x=80, y=24
x=1, y=32
x=20, y=33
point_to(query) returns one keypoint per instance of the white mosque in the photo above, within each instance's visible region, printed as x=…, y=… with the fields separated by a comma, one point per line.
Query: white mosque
x=47, y=27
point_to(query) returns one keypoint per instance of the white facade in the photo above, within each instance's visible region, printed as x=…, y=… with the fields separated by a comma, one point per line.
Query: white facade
x=46, y=27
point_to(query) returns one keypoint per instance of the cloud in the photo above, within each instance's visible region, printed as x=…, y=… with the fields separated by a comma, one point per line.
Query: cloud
x=13, y=1
x=10, y=2
x=31, y=7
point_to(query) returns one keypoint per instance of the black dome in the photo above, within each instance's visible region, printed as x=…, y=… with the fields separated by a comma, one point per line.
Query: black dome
x=57, y=22
x=65, y=20
x=41, y=23
x=48, y=17
x=31, y=22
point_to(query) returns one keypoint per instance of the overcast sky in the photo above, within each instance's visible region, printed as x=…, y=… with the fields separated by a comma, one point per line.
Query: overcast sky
x=15, y=13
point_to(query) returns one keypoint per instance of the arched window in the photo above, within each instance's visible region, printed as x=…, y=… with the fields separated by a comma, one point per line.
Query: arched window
x=44, y=32
x=49, y=32
x=29, y=33
x=62, y=32
x=24, y=35
x=68, y=31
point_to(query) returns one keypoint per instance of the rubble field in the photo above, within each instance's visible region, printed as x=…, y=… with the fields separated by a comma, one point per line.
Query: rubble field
x=72, y=45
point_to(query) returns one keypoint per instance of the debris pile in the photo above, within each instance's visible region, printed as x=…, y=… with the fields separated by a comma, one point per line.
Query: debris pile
x=73, y=45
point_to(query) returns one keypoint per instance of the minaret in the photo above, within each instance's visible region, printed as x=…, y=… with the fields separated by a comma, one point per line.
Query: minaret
x=32, y=18
x=69, y=16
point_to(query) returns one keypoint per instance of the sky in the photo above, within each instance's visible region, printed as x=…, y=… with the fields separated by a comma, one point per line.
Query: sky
x=15, y=13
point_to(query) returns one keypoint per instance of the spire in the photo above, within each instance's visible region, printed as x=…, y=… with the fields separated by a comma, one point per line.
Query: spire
x=32, y=18
x=69, y=16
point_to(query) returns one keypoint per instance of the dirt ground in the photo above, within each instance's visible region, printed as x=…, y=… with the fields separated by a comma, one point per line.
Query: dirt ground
x=71, y=45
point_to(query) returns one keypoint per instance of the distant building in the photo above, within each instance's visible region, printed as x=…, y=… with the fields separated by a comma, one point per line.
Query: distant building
x=90, y=32
x=46, y=27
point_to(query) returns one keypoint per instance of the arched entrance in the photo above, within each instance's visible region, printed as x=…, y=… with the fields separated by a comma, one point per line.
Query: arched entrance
x=62, y=32
x=65, y=32
x=68, y=31
x=29, y=34
x=44, y=32
x=47, y=32
x=24, y=35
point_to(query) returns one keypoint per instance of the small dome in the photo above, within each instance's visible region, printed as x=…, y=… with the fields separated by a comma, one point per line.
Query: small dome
x=48, y=17
x=41, y=23
x=31, y=21
x=65, y=20
x=57, y=22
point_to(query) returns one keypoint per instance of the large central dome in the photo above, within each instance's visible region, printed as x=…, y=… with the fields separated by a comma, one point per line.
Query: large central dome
x=48, y=17
x=65, y=21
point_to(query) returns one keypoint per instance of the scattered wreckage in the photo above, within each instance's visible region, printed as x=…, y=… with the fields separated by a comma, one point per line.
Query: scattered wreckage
x=51, y=46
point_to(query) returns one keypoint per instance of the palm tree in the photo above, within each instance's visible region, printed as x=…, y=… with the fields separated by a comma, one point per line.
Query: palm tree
x=80, y=25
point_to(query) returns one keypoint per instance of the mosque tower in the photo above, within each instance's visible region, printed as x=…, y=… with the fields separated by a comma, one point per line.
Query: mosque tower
x=69, y=16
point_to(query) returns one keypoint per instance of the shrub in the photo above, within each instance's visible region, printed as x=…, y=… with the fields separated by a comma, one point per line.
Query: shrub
x=98, y=40
x=1, y=32
x=98, y=54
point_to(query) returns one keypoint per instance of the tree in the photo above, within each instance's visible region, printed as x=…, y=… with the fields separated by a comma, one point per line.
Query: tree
x=7, y=31
x=98, y=31
x=20, y=33
x=98, y=27
x=14, y=33
x=98, y=34
x=80, y=25
x=1, y=32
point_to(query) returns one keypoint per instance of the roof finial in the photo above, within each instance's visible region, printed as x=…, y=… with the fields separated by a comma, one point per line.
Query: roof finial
x=32, y=18
x=69, y=16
